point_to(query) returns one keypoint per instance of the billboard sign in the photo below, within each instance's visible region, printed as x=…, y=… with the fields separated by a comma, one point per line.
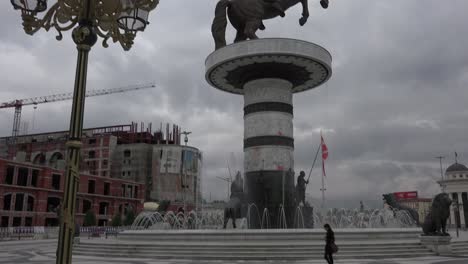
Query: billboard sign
x=406, y=195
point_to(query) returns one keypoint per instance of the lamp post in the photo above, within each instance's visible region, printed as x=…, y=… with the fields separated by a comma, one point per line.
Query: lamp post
x=228, y=180
x=118, y=20
x=185, y=133
x=456, y=214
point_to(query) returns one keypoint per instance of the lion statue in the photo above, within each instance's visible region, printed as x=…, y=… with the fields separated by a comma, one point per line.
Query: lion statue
x=436, y=220
x=395, y=205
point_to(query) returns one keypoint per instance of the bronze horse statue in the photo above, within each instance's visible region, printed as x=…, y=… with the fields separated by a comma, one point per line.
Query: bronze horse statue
x=247, y=16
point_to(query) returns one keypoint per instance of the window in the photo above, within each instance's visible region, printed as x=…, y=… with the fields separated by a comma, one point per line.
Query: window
x=91, y=186
x=53, y=204
x=7, y=202
x=104, y=164
x=16, y=221
x=19, y=202
x=129, y=191
x=136, y=192
x=30, y=204
x=86, y=206
x=56, y=181
x=39, y=159
x=28, y=221
x=123, y=190
x=92, y=141
x=106, y=188
x=35, y=175
x=54, y=160
x=127, y=153
x=22, y=176
x=103, y=173
x=5, y=221
x=103, y=208
x=91, y=154
x=10, y=172
x=126, y=209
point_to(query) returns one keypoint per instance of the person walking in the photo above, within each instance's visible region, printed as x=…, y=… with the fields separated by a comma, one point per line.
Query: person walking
x=330, y=244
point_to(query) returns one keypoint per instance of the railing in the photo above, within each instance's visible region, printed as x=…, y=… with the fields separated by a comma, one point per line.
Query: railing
x=40, y=232
x=98, y=231
x=28, y=232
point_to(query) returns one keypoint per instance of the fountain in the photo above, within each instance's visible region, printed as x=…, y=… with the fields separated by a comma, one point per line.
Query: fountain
x=337, y=218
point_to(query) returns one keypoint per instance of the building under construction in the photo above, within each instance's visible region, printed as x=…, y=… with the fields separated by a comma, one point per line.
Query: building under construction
x=154, y=165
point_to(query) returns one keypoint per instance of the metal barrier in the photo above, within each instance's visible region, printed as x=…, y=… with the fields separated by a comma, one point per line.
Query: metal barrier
x=98, y=231
x=40, y=232
x=28, y=232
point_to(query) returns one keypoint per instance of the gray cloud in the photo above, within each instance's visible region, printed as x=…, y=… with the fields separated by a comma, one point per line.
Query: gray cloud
x=396, y=100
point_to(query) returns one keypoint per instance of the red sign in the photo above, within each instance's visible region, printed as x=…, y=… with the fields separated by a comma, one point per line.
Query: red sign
x=406, y=195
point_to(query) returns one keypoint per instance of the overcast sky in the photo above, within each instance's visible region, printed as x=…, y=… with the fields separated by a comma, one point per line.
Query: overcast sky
x=397, y=99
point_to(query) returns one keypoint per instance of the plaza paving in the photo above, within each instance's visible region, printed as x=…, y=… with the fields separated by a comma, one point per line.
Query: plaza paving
x=43, y=252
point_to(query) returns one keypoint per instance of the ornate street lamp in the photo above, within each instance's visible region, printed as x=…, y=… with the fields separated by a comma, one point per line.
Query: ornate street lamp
x=118, y=20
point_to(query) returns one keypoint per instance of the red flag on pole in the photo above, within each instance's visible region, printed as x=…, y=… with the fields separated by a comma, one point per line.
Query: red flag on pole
x=324, y=153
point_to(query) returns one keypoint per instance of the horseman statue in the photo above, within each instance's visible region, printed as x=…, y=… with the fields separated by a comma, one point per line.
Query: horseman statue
x=233, y=207
x=247, y=16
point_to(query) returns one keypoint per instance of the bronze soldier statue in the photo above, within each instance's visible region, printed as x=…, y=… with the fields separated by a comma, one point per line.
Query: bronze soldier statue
x=301, y=187
x=233, y=207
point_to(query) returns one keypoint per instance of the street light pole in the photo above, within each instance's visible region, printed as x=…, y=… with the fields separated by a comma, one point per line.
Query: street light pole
x=457, y=222
x=84, y=38
x=116, y=20
x=441, y=173
x=186, y=133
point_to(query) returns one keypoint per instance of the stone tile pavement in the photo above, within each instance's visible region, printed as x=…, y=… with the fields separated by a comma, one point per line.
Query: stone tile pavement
x=43, y=252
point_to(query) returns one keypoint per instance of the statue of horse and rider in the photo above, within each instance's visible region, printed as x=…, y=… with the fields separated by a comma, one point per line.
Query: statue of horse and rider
x=247, y=16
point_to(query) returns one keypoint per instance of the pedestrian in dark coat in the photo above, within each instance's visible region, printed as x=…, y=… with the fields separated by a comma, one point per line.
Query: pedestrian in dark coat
x=330, y=244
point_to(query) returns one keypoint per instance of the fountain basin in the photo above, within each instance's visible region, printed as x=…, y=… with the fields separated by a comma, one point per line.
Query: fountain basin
x=271, y=235
x=259, y=245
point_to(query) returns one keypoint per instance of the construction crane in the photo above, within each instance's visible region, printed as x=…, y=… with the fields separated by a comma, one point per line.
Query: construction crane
x=18, y=104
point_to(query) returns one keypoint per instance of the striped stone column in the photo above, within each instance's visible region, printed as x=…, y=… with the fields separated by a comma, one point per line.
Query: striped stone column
x=268, y=126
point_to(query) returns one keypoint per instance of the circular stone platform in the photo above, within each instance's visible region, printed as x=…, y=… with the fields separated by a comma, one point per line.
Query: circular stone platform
x=305, y=65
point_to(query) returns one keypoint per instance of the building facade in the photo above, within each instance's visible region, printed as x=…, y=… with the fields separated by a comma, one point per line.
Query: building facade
x=169, y=171
x=455, y=183
x=31, y=195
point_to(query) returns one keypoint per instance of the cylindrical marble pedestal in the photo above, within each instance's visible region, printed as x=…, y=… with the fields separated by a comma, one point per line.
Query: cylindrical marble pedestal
x=269, y=144
x=267, y=72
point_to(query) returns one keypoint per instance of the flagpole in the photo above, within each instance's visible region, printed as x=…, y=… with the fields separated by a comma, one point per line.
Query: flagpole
x=323, y=172
x=323, y=188
x=315, y=159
